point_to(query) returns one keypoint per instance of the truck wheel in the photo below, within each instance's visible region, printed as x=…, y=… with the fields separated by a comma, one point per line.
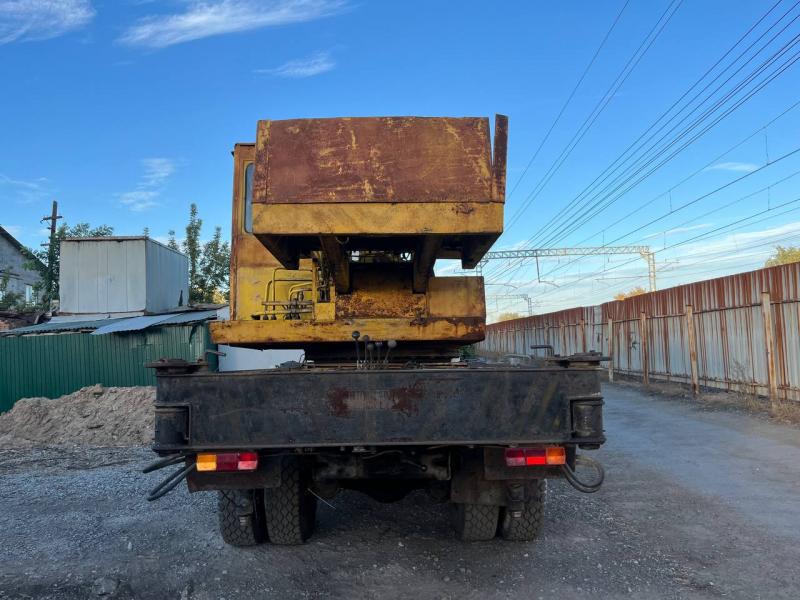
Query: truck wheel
x=525, y=527
x=291, y=509
x=475, y=522
x=241, y=517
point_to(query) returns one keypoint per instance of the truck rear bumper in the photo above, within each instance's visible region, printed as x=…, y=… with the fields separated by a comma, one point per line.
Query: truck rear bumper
x=324, y=408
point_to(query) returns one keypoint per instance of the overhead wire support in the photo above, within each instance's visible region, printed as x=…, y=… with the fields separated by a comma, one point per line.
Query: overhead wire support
x=643, y=251
x=710, y=234
x=524, y=297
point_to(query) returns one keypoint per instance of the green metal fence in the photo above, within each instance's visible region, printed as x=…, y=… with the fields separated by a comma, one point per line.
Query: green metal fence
x=52, y=365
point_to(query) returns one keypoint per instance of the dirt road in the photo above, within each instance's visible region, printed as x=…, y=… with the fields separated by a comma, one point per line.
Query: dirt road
x=696, y=504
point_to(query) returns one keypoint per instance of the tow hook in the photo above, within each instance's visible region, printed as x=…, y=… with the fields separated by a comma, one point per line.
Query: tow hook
x=581, y=486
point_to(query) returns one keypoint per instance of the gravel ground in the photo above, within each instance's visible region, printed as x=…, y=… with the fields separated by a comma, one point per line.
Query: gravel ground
x=696, y=504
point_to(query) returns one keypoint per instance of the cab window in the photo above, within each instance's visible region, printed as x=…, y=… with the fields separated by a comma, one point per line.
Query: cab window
x=248, y=197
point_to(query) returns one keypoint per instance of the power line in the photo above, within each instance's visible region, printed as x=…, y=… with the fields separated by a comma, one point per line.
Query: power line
x=569, y=99
x=572, y=222
x=727, y=252
x=676, y=210
x=517, y=297
x=708, y=233
x=643, y=251
x=695, y=173
x=666, y=112
x=637, y=56
x=699, y=199
x=611, y=168
x=614, y=165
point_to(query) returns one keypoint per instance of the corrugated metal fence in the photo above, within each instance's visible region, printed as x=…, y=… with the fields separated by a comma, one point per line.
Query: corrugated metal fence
x=740, y=332
x=52, y=365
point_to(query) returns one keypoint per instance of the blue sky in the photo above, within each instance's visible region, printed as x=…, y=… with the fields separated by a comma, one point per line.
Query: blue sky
x=126, y=111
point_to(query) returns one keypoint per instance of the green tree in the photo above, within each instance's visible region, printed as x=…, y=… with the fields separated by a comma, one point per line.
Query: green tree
x=191, y=248
x=209, y=263
x=214, y=270
x=172, y=242
x=48, y=261
x=783, y=256
x=11, y=301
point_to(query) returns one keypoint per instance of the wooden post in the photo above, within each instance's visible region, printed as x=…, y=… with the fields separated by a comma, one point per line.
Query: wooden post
x=583, y=335
x=610, y=350
x=766, y=312
x=645, y=357
x=547, y=334
x=692, y=349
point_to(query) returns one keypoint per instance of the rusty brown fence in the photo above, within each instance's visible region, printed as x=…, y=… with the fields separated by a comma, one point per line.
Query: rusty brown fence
x=740, y=332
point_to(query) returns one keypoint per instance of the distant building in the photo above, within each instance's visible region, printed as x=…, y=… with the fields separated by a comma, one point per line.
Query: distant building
x=19, y=279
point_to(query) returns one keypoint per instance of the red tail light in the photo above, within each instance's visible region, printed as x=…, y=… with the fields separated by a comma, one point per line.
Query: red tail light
x=248, y=461
x=529, y=457
x=228, y=461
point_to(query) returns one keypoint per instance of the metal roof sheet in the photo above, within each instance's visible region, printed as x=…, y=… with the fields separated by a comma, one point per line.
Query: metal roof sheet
x=191, y=317
x=139, y=323
x=52, y=327
x=131, y=324
x=117, y=325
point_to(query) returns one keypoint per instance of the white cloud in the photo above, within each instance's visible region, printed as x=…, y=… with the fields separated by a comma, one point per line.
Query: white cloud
x=735, y=240
x=157, y=172
x=740, y=167
x=203, y=19
x=24, y=192
x=41, y=19
x=139, y=200
x=321, y=62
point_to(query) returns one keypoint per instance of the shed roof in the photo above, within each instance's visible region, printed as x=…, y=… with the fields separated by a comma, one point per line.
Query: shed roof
x=121, y=238
x=117, y=325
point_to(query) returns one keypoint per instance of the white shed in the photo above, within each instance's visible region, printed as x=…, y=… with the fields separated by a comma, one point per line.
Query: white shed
x=121, y=276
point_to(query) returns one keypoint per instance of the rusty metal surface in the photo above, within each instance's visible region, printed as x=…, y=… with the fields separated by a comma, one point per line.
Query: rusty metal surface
x=375, y=159
x=317, y=408
x=371, y=297
x=729, y=332
x=250, y=260
x=382, y=292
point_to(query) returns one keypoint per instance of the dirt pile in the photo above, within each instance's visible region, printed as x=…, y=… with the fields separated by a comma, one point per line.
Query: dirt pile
x=92, y=416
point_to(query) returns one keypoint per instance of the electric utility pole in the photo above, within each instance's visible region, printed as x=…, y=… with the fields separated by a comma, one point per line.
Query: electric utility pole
x=51, y=252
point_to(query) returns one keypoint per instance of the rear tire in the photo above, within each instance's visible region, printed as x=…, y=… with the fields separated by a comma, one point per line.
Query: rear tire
x=241, y=517
x=291, y=509
x=525, y=527
x=475, y=522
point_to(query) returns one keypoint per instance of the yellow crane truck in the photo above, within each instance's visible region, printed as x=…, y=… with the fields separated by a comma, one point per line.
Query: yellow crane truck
x=337, y=225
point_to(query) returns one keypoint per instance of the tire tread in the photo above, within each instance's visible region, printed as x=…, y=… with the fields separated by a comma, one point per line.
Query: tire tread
x=234, y=504
x=476, y=522
x=290, y=508
x=526, y=527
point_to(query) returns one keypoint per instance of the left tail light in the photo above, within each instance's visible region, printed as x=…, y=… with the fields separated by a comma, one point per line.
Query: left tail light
x=227, y=461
